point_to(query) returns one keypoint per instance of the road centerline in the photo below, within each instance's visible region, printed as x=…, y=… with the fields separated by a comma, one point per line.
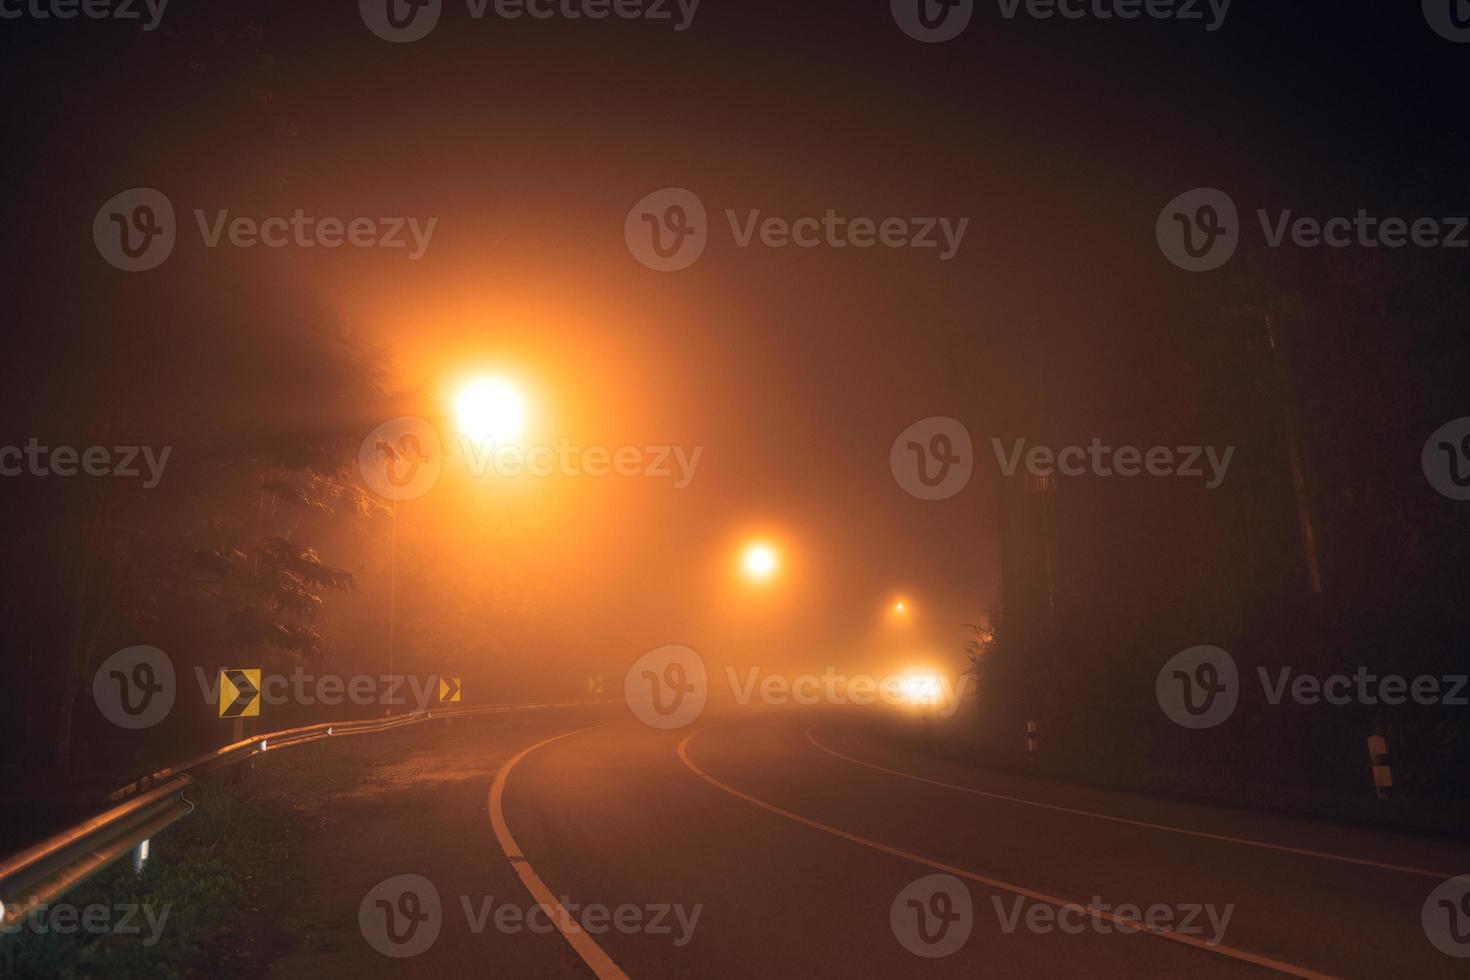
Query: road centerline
x=1202, y=834
x=1231, y=952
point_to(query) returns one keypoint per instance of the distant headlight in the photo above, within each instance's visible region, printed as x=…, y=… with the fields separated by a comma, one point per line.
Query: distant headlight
x=920, y=688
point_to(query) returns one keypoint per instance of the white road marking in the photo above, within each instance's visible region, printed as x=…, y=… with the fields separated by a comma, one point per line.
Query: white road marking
x=584, y=945
x=1246, y=842
x=1220, y=949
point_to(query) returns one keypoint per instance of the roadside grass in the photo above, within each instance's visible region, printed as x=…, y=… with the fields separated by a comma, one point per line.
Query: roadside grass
x=186, y=897
x=209, y=882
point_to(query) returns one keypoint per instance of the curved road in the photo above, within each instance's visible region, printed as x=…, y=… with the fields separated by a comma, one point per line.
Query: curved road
x=790, y=843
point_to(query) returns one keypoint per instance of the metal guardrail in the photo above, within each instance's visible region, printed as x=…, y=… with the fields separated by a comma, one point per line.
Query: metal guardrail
x=40, y=874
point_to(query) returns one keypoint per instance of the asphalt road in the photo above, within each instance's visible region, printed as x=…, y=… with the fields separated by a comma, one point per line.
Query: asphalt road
x=792, y=843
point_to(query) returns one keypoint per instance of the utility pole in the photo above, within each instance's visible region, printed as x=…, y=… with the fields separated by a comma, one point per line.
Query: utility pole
x=1298, y=469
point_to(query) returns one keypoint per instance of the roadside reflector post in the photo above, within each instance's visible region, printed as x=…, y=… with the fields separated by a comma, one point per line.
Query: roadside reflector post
x=1382, y=772
x=1033, y=741
x=140, y=857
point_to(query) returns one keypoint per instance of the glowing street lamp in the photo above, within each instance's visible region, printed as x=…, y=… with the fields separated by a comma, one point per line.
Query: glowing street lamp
x=760, y=562
x=900, y=611
x=490, y=410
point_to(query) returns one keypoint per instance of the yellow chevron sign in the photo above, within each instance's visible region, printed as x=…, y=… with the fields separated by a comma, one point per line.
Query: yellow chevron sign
x=448, y=689
x=594, y=685
x=239, y=692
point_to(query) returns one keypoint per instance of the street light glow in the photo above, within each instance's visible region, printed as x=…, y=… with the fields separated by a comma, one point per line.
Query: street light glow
x=760, y=562
x=490, y=410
